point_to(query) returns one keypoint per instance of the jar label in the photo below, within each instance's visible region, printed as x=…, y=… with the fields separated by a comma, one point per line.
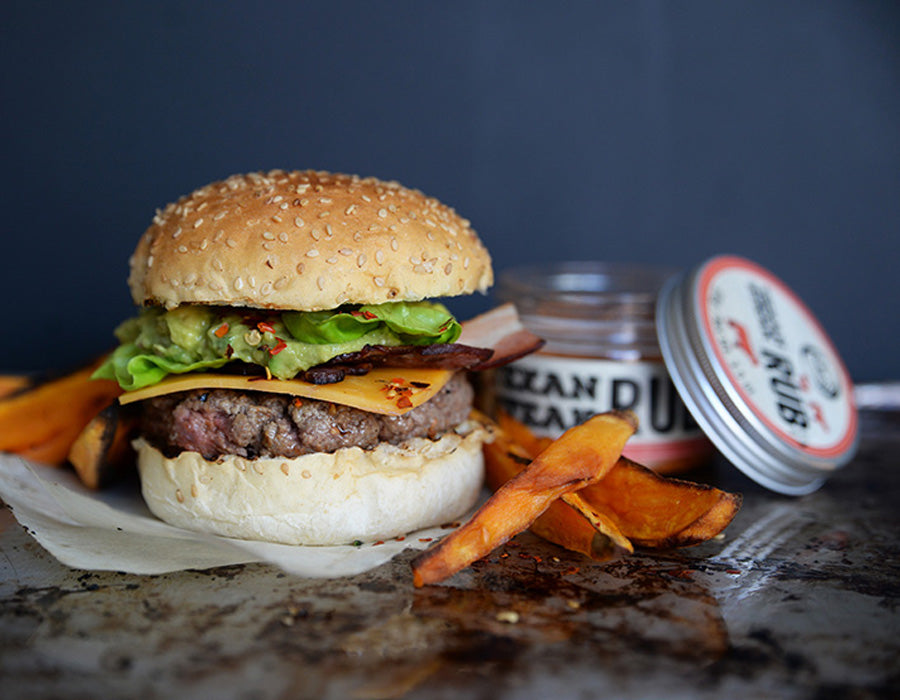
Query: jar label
x=551, y=394
x=776, y=356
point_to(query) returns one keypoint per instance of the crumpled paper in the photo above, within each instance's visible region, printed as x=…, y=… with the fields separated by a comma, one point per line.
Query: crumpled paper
x=114, y=531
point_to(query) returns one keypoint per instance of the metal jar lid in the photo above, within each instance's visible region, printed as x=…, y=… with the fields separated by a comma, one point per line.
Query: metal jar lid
x=758, y=373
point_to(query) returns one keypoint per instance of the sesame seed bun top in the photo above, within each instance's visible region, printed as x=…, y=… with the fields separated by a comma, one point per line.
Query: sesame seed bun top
x=306, y=241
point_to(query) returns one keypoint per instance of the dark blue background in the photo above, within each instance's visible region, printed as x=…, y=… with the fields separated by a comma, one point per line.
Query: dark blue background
x=649, y=131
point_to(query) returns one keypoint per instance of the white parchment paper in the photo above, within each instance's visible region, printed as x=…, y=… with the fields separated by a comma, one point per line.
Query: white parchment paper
x=114, y=531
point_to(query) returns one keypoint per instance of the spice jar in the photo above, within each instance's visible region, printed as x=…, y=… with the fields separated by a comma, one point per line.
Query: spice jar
x=601, y=353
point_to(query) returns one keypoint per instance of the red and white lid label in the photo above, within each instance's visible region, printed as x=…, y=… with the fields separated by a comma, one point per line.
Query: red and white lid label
x=776, y=356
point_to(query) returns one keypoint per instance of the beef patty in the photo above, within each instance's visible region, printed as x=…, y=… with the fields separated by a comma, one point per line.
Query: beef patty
x=253, y=424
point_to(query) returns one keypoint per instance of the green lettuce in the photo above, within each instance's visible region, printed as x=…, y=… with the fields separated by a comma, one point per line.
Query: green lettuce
x=157, y=343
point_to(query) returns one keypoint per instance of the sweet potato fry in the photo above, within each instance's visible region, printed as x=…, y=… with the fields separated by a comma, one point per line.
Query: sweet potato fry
x=517, y=432
x=658, y=512
x=43, y=422
x=13, y=383
x=568, y=522
x=582, y=455
x=103, y=449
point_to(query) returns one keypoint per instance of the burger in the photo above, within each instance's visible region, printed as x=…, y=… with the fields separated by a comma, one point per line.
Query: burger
x=296, y=378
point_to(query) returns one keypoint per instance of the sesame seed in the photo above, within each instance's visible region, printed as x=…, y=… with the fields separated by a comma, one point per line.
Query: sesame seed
x=361, y=260
x=281, y=282
x=257, y=467
x=329, y=232
x=298, y=222
x=366, y=198
x=182, y=249
x=268, y=235
x=176, y=233
x=346, y=252
x=332, y=260
x=194, y=490
x=379, y=281
x=276, y=219
x=231, y=243
x=251, y=280
x=149, y=261
x=277, y=198
x=266, y=289
x=198, y=223
x=283, y=237
x=312, y=253
x=324, y=214
x=300, y=268
x=349, y=210
x=238, y=284
x=215, y=286
x=285, y=468
x=306, y=474
x=320, y=283
x=179, y=496
x=382, y=213
x=394, y=245
x=220, y=215
x=448, y=268
x=379, y=256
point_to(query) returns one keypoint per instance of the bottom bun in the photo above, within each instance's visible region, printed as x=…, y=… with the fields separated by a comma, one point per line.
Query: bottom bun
x=318, y=499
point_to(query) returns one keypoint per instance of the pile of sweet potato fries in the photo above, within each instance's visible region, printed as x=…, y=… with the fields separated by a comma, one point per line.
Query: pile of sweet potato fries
x=578, y=492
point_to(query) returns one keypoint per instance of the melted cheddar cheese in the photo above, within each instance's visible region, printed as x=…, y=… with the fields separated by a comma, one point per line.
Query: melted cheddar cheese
x=386, y=391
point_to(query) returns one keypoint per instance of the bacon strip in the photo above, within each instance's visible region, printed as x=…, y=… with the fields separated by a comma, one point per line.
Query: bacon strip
x=492, y=339
x=501, y=330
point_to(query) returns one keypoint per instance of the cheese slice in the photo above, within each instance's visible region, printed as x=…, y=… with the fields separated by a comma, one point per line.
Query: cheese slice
x=387, y=391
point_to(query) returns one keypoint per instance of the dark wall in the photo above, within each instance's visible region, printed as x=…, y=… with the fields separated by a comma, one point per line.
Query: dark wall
x=649, y=131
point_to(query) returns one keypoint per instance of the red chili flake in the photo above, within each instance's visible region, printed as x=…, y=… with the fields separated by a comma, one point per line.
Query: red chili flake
x=265, y=327
x=297, y=401
x=368, y=315
x=281, y=345
x=221, y=331
x=732, y=571
x=425, y=539
x=400, y=538
x=404, y=402
x=571, y=570
x=375, y=544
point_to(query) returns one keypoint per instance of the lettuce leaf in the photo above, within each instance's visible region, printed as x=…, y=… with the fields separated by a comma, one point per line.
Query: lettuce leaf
x=157, y=343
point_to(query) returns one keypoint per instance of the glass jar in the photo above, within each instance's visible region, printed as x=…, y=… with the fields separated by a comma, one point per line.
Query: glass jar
x=601, y=353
